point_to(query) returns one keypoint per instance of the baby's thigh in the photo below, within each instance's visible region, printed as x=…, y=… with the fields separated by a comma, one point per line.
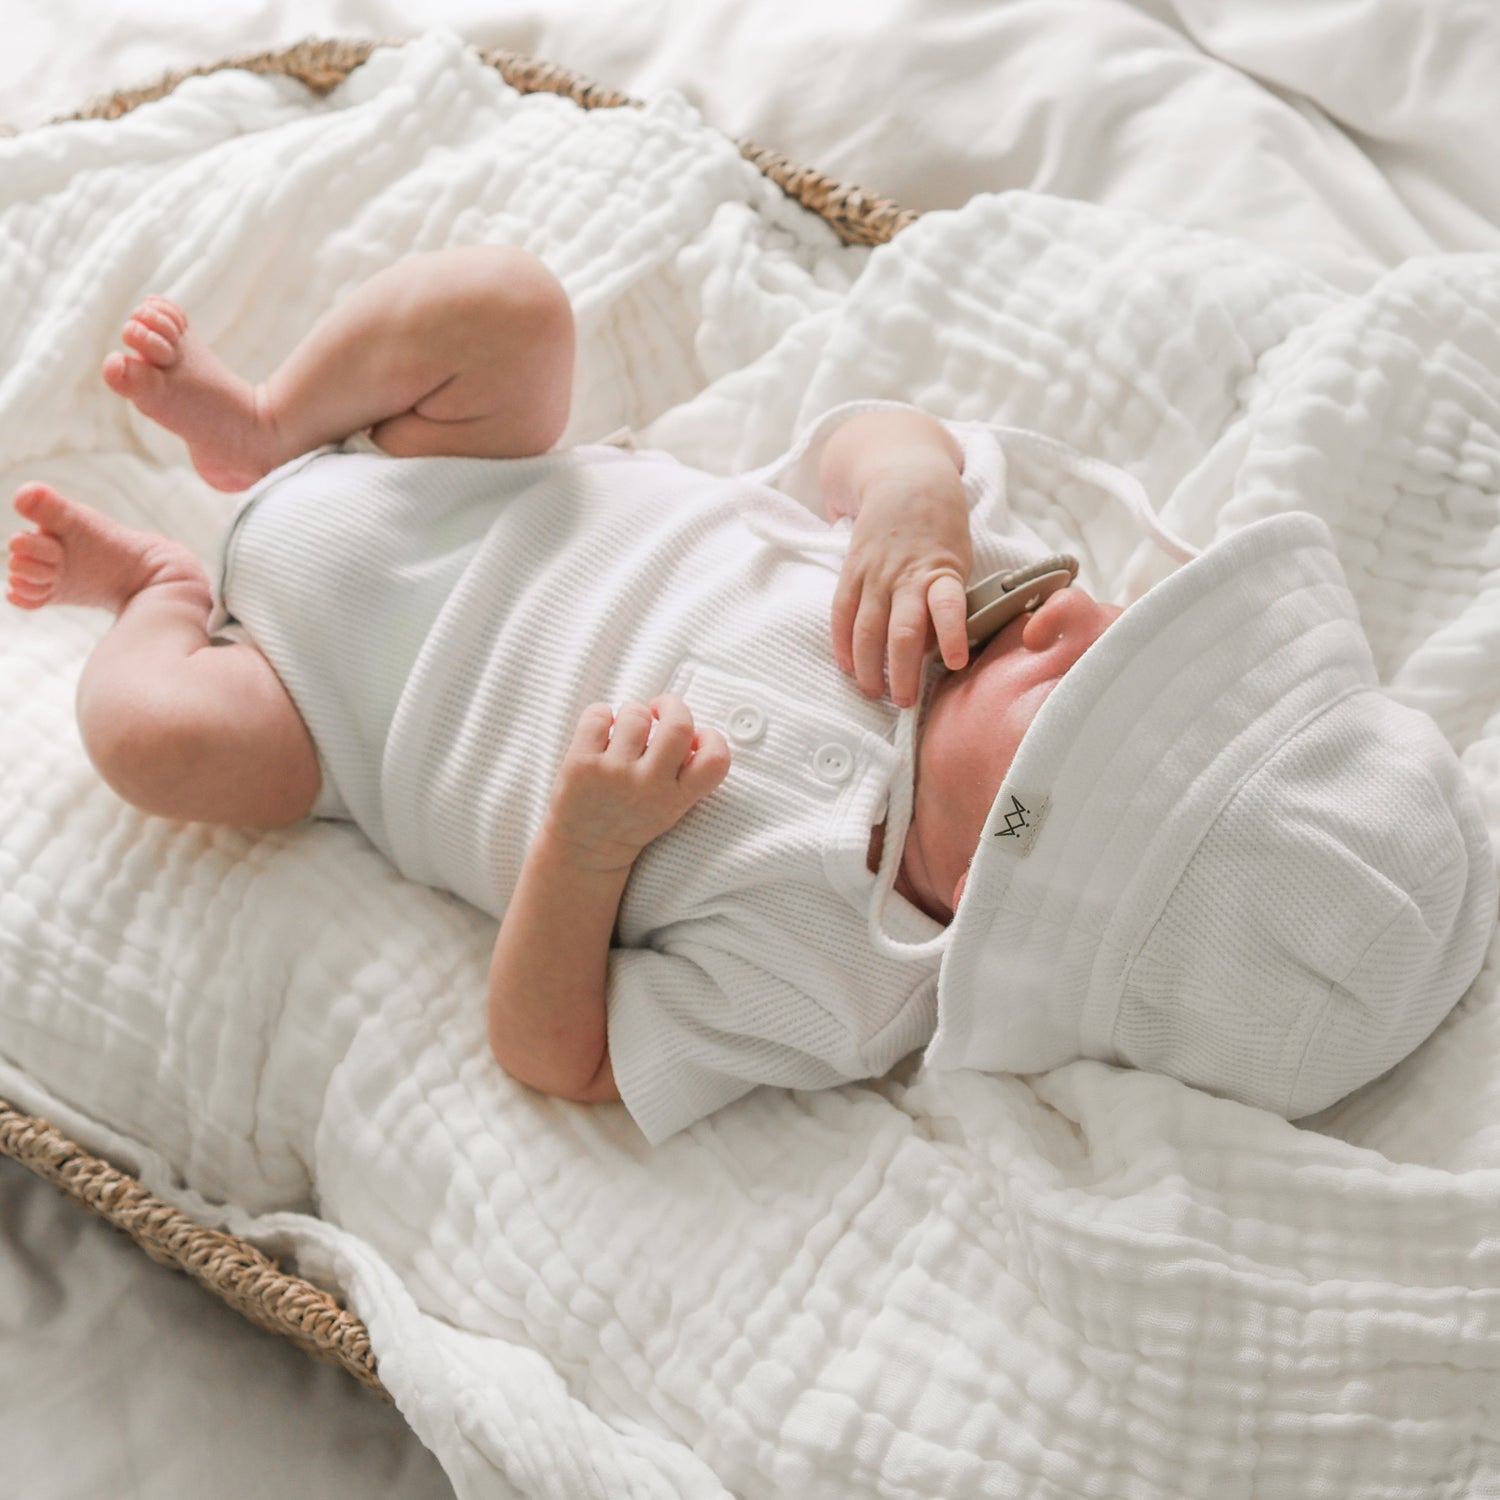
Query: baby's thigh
x=220, y=742
x=505, y=328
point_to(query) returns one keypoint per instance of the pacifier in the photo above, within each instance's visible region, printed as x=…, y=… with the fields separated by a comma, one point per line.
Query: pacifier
x=995, y=601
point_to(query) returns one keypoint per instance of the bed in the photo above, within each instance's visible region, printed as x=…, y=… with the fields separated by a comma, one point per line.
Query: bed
x=1085, y=1283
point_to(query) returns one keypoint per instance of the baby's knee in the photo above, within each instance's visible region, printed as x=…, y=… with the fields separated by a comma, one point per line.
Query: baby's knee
x=476, y=295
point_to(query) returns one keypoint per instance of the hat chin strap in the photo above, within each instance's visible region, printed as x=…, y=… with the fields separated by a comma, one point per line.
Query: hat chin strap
x=897, y=826
x=1125, y=488
x=1131, y=493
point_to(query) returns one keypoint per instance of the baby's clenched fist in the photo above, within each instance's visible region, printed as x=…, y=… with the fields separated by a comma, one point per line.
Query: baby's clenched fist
x=629, y=775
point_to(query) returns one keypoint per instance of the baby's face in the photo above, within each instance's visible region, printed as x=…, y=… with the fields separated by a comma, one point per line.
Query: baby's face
x=972, y=729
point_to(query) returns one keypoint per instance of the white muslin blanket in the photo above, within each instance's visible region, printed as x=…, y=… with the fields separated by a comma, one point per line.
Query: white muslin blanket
x=1092, y=1282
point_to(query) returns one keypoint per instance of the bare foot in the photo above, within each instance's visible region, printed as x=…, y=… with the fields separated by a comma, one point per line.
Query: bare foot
x=174, y=378
x=77, y=555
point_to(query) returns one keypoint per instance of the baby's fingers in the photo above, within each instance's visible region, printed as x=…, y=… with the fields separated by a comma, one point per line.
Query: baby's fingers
x=698, y=759
x=672, y=736
x=948, y=604
x=871, y=625
x=633, y=722
x=908, y=645
x=845, y=609
x=707, y=764
x=591, y=737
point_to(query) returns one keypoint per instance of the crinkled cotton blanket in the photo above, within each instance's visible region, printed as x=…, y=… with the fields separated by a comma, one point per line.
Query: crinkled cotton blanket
x=1088, y=1283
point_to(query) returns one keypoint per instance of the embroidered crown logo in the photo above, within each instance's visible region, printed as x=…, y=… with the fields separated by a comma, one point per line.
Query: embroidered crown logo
x=1015, y=819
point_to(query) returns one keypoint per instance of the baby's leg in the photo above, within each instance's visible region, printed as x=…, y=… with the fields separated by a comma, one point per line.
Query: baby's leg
x=465, y=352
x=177, y=726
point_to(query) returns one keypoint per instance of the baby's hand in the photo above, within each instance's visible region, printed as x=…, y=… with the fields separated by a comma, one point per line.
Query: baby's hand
x=628, y=776
x=904, y=576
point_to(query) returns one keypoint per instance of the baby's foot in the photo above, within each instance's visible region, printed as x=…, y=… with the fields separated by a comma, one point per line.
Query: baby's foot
x=174, y=378
x=77, y=555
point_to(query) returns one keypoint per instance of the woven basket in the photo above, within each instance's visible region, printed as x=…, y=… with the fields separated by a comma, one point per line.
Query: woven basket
x=249, y=1281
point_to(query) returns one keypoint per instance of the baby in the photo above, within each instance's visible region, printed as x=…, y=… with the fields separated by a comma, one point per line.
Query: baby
x=607, y=698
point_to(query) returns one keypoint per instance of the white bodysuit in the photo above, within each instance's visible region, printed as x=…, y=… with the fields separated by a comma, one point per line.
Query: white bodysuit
x=441, y=623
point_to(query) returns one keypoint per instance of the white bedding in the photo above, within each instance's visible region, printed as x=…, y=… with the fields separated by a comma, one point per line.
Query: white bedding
x=1088, y=1276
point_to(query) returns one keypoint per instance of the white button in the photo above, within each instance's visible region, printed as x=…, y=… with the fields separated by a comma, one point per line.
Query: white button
x=746, y=724
x=833, y=762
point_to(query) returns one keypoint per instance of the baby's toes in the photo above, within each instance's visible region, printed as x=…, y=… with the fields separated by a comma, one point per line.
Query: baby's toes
x=48, y=511
x=129, y=374
x=33, y=570
x=27, y=595
x=153, y=335
x=34, y=559
x=165, y=309
x=35, y=555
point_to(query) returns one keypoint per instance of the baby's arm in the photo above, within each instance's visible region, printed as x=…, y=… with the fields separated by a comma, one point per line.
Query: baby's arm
x=898, y=474
x=614, y=793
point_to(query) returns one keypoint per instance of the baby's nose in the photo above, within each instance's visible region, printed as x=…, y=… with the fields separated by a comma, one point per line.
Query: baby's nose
x=1065, y=616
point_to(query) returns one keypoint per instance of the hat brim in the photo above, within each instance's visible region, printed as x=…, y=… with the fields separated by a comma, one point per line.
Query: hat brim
x=1123, y=768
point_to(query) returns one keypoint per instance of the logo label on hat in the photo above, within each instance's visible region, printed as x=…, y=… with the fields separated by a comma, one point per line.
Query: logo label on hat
x=1015, y=820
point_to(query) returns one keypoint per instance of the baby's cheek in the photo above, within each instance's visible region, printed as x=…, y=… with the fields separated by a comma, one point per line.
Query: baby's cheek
x=948, y=837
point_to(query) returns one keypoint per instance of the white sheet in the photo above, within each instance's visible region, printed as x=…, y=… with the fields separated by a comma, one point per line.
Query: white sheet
x=1346, y=134
x=1297, y=181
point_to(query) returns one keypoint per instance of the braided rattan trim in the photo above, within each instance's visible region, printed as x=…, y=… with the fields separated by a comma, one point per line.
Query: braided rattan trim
x=858, y=217
x=247, y=1280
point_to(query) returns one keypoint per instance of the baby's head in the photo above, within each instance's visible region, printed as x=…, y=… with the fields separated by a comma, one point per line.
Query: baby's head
x=1207, y=843
x=973, y=726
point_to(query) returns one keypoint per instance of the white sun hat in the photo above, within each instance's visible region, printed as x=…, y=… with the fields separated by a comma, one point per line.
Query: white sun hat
x=1221, y=852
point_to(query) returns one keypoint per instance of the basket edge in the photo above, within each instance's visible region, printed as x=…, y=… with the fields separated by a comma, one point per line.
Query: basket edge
x=242, y=1276
x=857, y=216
